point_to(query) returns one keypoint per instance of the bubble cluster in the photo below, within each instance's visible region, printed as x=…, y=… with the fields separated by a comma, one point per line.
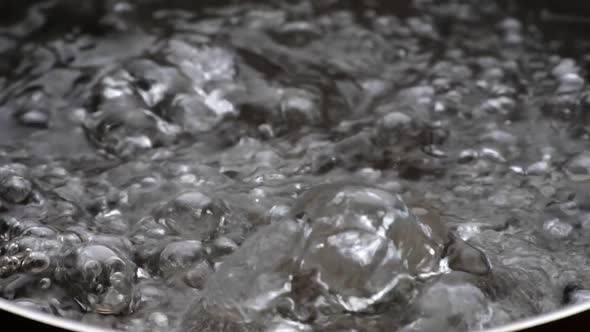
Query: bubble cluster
x=351, y=246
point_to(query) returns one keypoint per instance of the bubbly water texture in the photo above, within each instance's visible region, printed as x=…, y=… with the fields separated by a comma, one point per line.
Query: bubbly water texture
x=292, y=165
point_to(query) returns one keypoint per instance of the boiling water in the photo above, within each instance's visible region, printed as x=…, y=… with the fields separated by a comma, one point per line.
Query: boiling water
x=292, y=165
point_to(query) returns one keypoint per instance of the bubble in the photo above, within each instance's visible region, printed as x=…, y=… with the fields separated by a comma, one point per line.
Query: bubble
x=122, y=125
x=467, y=156
x=149, y=295
x=197, y=275
x=578, y=167
x=278, y=212
x=153, y=82
x=13, y=248
x=354, y=150
x=300, y=107
x=579, y=296
x=70, y=239
x=193, y=213
x=441, y=301
x=564, y=67
x=397, y=128
x=284, y=325
x=24, y=244
x=142, y=274
x=557, y=228
x=355, y=227
x=158, y=320
x=9, y=264
x=492, y=154
x=111, y=222
x=253, y=279
x=464, y=257
x=112, y=302
x=513, y=38
x=178, y=256
x=422, y=28
x=539, y=168
x=33, y=118
x=570, y=83
x=45, y=283
x=149, y=228
x=15, y=189
x=41, y=232
x=511, y=24
x=91, y=270
x=31, y=304
x=192, y=113
x=36, y=262
x=12, y=285
x=396, y=120
x=499, y=137
x=296, y=34
x=224, y=246
x=207, y=63
x=99, y=278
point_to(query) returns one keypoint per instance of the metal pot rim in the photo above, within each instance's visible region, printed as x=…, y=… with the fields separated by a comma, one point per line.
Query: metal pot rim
x=71, y=325
x=66, y=324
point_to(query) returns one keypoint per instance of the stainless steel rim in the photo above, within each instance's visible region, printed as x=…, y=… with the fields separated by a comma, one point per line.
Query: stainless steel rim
x=41, y=317
x=80, y=327
x=543, y=319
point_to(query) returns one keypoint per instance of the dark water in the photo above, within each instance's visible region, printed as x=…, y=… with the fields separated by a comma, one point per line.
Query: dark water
x=293, y=165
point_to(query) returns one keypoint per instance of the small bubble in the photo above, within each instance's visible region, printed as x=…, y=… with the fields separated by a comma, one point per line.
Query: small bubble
x=539, y=168
x=159, y=320
x=197, y=275
x=45, y=283
x=557, y=228
x=34, y=118
x=36, y=262
x=91, y=269
x=467, y=156
x=493, y=155
x=180, y=255
x=13, y=248
x=224, y=245
x=15, y=189
x=578, y=168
